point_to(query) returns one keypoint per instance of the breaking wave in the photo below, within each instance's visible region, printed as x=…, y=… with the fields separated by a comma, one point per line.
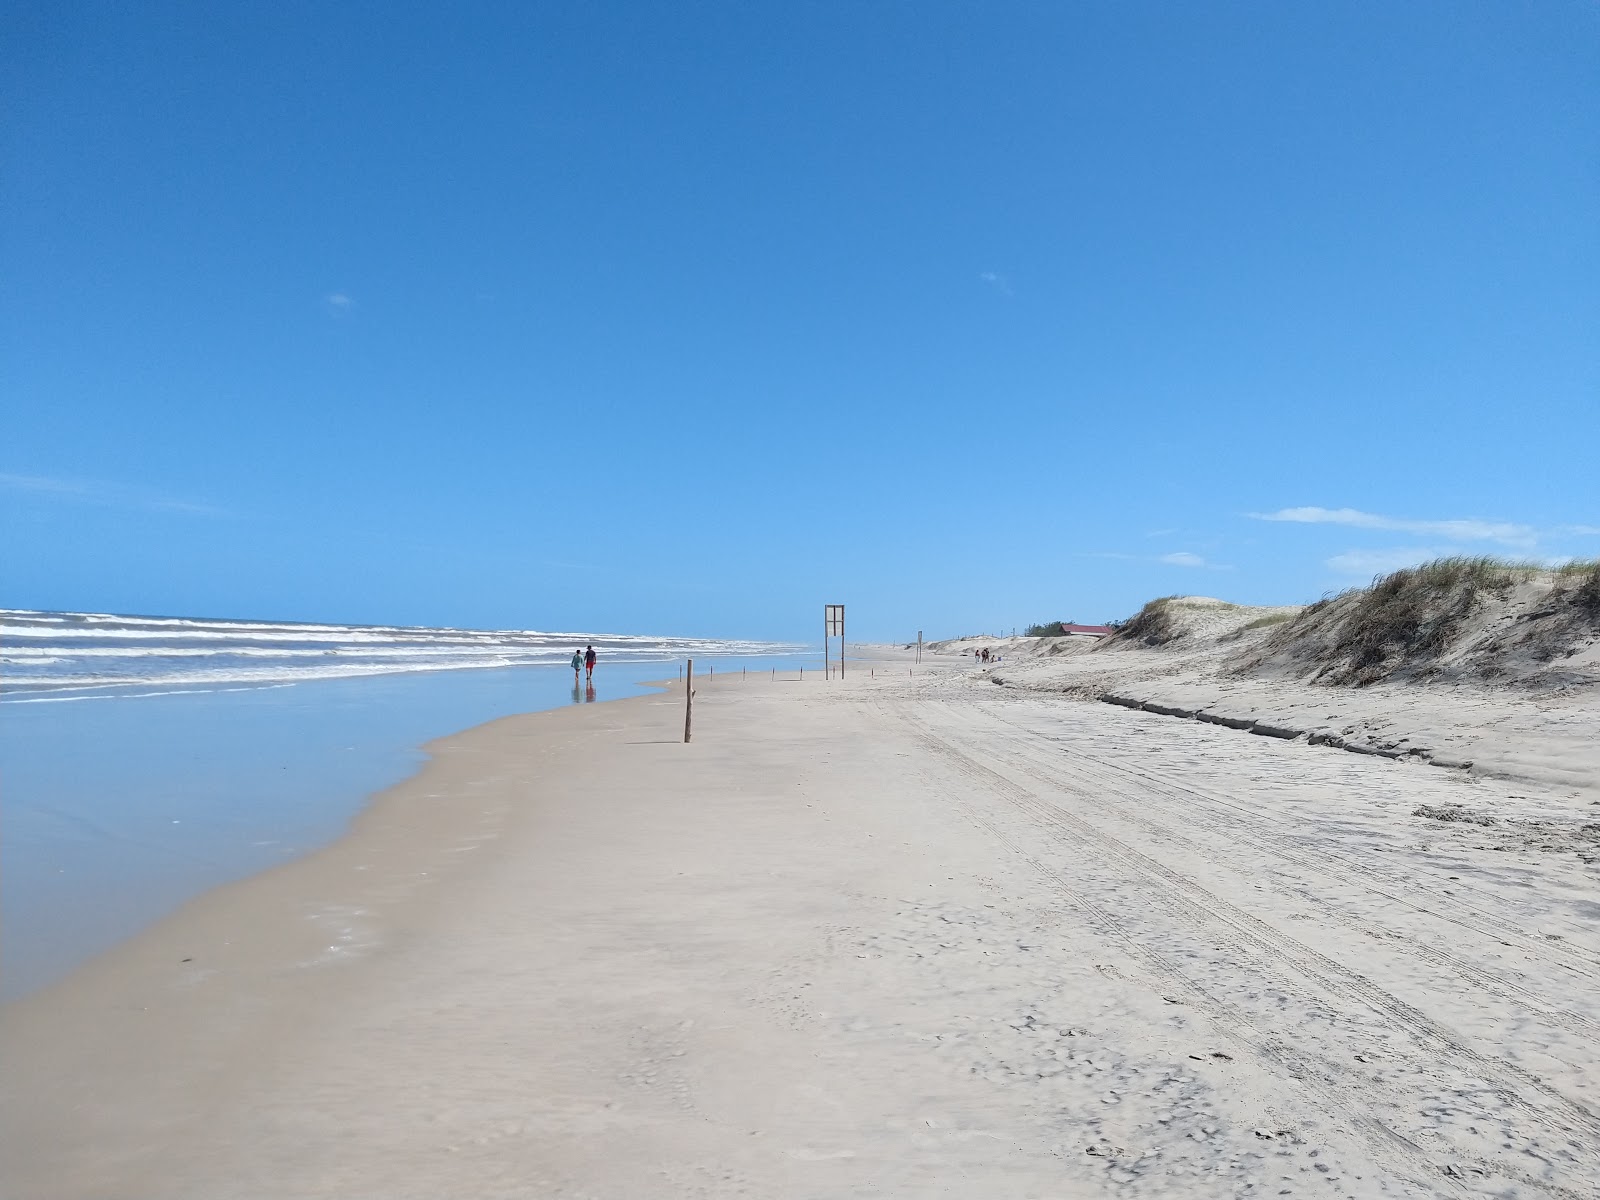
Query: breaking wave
x=82, y=655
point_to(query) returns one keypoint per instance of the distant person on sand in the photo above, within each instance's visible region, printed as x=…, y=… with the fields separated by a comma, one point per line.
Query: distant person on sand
x=577, y=664
x=588, y=660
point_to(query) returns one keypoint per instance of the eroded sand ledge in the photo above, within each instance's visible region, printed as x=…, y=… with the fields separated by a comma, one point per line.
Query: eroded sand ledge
x=899, y=937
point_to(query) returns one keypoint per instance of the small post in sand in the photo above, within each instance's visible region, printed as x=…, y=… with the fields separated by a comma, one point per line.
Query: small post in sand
x=688, y=703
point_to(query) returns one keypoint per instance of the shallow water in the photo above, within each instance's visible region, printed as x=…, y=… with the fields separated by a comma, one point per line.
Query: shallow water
x=116, y=811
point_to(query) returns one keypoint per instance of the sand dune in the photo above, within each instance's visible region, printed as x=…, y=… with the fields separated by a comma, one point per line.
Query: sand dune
x=1497, y=678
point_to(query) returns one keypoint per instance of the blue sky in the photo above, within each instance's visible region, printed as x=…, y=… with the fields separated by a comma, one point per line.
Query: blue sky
x=691, y=317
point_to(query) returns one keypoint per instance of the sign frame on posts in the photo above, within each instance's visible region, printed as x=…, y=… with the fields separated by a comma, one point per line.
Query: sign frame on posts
x=832, y=627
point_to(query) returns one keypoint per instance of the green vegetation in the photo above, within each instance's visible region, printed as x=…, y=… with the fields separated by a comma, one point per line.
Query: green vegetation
x=1407, y=621
x=1152, y=625
x=1581, y=586
x=1048, y=629
x=1269, y=619
x=1406, y=618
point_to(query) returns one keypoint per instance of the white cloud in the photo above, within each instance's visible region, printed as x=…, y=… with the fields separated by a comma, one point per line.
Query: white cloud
x=1382, y=562
x=1507, y=533
x=116, y=495
x=37, y=483
x=997, y=281
x=1179, y=558
x=338, y=303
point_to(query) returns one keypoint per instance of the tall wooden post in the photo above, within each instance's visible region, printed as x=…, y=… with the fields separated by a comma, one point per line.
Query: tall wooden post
x=688, y=703
x=841, y=641
x=827, y=631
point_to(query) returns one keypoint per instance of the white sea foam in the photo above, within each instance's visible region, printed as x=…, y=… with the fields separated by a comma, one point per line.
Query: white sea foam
x=48, y=655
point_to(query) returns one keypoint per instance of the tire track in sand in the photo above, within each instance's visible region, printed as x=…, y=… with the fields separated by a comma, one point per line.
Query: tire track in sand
x=1054, y=769
x=1433, y=1059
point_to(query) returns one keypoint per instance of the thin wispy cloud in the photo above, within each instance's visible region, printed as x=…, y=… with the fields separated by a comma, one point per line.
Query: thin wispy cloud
x=997, y=281
x=1382, y=562
x=1178, y=558
x=114, y=495
x=38, y=483
x=338, y=303
x=1507, y=533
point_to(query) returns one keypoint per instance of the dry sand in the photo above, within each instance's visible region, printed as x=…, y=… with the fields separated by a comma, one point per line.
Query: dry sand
x=893, y=937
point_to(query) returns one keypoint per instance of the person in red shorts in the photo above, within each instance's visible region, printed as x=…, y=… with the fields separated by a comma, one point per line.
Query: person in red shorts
x=588, y=661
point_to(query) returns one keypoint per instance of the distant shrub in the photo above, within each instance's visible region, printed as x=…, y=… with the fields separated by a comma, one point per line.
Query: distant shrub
x=1048, y=629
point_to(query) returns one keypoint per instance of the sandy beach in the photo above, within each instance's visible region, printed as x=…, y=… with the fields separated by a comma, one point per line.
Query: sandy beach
x=896, y=936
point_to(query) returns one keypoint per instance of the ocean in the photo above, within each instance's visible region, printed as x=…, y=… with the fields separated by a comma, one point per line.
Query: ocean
x=73, y=656
x=146, y=760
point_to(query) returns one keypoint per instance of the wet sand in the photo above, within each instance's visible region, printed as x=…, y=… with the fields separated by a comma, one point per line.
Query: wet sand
x=893, y=937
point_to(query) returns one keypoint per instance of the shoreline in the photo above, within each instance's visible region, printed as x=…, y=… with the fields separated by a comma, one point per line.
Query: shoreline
x=817, y=952
x=251, y=958
x=187, y=792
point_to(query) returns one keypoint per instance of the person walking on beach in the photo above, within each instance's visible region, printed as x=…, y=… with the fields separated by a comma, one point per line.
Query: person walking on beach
x=588, y=661
x=577, y=665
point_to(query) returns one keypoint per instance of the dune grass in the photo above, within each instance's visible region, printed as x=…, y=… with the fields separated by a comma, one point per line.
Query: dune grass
x=1152, y=625
x=1270, y=619
x=1408, y=620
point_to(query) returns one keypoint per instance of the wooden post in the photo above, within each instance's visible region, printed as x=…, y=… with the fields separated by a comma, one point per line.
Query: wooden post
x=827, y=668
x=688, y=704
x=841, y=641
